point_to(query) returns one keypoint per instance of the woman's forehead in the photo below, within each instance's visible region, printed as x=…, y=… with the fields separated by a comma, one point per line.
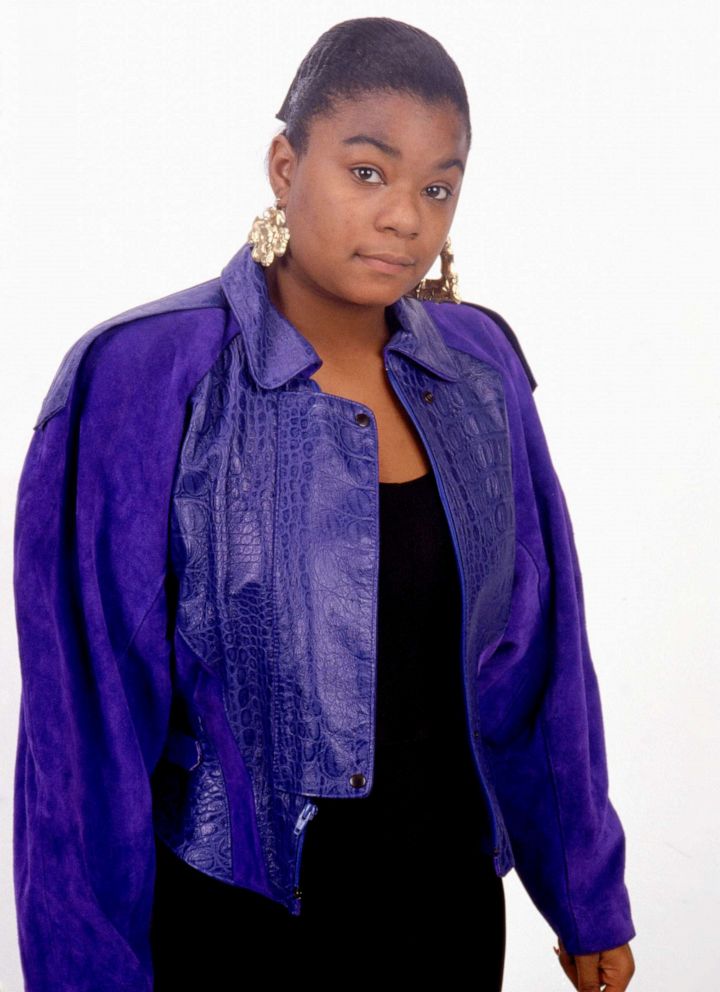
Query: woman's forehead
x=391, y=121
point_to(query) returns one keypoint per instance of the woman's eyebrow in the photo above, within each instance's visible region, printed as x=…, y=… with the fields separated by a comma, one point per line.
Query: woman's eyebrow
x=368, y=139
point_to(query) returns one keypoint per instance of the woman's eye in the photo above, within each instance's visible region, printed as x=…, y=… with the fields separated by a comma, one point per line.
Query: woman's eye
x=445, y=190
x=365, y=168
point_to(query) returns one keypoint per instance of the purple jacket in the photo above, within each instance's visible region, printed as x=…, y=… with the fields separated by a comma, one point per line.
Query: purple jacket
x=196, y=565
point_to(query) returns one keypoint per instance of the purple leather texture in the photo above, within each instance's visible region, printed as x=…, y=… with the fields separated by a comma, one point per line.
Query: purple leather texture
x=195, y=574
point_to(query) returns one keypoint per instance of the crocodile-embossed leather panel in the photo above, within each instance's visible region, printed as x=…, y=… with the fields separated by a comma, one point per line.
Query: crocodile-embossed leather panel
x=326, y=560
x=467, y=431
x=222, y=538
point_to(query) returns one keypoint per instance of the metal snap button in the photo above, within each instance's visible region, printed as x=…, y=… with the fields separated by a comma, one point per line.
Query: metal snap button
x=358, y=780
x=362, y=419
x=428, y=396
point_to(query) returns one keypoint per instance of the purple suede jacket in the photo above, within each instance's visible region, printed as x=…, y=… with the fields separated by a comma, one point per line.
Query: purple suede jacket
x=195, y=574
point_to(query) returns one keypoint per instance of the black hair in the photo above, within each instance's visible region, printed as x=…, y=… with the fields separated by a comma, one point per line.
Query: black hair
x=364, y=55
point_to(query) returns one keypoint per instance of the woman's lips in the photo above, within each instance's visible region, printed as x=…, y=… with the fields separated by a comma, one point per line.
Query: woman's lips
x=379, y=266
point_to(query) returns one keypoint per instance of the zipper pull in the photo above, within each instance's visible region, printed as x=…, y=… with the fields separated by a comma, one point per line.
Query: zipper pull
x=306, y=814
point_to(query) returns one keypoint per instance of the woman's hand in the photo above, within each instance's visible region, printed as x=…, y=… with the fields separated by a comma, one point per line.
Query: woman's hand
x=606, y=971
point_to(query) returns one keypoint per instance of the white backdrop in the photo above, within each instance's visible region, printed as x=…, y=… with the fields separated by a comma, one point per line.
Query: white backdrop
x=133, y=139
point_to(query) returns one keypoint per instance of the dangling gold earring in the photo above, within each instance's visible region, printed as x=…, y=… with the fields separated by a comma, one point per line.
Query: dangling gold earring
x=444, y=288
x=269, y=235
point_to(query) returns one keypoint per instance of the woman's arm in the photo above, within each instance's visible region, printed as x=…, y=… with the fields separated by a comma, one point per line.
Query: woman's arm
x=95, y=653
x=541, y=709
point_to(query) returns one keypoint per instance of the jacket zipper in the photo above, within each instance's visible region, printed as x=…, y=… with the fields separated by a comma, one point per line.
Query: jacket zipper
x=448, y=514
x=306, y=814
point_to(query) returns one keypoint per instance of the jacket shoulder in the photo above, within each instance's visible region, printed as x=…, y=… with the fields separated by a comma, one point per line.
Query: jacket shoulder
x=510, y=335
x=142, y=318
x=477, y=329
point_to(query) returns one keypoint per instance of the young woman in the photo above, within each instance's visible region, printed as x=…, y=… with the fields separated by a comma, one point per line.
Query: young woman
x=305, y=669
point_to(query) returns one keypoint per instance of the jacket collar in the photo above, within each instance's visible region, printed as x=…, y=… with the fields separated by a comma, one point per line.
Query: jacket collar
x=277, y=351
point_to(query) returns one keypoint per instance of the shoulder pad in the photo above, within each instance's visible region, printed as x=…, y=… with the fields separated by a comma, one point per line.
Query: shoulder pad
x=205, y=294
x=510, y=335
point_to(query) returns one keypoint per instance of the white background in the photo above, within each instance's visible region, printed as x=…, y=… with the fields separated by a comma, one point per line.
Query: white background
x=133, y=138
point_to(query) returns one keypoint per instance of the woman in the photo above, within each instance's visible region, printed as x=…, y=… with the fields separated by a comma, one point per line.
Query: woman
x=305, y=670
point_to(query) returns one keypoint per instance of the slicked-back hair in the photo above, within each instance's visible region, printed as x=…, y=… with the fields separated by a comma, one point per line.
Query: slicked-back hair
x=368, y=55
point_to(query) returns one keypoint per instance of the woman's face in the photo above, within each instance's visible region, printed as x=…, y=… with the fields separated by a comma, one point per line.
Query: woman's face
x=381, y=175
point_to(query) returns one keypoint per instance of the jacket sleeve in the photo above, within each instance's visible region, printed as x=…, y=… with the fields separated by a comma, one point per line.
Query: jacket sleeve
x=541, y=710
x=92, y=622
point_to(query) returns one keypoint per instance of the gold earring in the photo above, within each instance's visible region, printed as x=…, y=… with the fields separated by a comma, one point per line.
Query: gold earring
x=269, y=235
x=444, y=288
